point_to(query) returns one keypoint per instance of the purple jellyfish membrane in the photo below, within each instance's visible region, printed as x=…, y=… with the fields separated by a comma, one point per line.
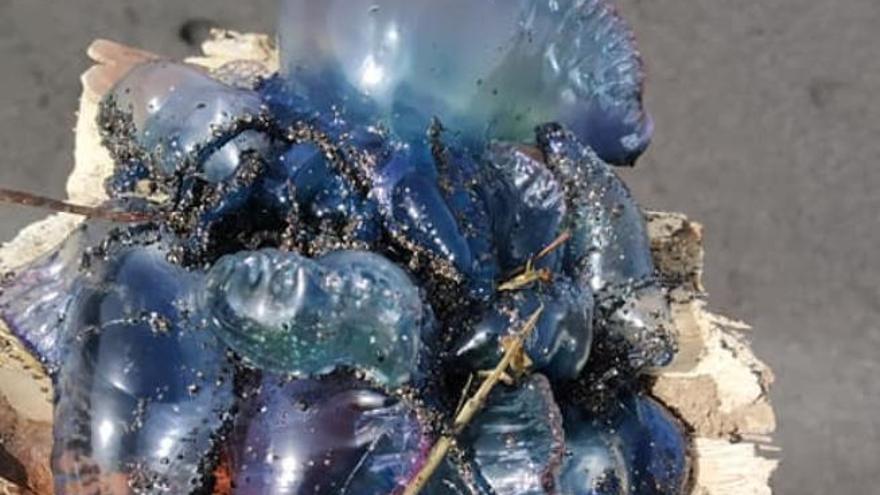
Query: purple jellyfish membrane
x=334, y=435
x=140, y=393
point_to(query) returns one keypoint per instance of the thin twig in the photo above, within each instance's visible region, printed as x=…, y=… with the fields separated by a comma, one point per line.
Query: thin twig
x=528, y=275
x=514, y=358
x=36, y=201
x=464, y=393
x=470, y=408
x=556, y=244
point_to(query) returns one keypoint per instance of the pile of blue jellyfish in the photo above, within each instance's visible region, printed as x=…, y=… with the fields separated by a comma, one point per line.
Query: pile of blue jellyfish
x=325, y=262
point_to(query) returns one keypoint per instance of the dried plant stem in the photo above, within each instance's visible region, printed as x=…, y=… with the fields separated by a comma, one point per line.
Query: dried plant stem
x=28, y=199
x=472, y=406
x=556, y=244
x=528, y=275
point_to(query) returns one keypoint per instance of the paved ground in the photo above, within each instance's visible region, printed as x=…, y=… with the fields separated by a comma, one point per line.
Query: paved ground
x=768, y=131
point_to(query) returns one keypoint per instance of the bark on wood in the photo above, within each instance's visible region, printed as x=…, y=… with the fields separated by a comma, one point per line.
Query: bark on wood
x=716, y=385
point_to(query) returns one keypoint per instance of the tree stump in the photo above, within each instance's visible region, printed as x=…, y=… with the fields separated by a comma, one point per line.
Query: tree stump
x=716, y=385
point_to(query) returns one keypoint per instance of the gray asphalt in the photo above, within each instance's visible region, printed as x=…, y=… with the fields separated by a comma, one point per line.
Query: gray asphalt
x=768, y=132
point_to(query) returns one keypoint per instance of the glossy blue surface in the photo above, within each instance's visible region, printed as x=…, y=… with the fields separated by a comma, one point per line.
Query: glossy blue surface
x=592, y=466
x=609, y=245
x=636, y=449
x=302, y=180
x=610, y=249
x=181, y=115
x=527, y=204
x=493, y=68
x=329, y=436
x=559, y=345
x=141, y=393
x=454, y=478
x=287, y=313
x=517, y=442
x=408, y=191
x=464, y=182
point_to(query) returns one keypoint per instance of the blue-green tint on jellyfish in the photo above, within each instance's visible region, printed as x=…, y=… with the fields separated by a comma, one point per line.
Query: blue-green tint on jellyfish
x=271, y=322
x=287, y=313
x=494, y=68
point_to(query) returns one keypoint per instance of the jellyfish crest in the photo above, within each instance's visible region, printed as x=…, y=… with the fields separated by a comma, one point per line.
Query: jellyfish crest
x=493, y=68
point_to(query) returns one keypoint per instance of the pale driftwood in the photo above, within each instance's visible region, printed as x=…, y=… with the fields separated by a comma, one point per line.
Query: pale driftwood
x=716, y=386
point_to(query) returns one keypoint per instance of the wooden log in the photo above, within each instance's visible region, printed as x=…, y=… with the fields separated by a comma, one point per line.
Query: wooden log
x=716, y=385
